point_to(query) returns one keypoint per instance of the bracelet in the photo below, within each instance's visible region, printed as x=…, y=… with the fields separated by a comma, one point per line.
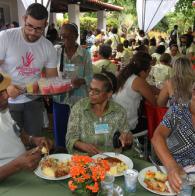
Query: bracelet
x=30, y=139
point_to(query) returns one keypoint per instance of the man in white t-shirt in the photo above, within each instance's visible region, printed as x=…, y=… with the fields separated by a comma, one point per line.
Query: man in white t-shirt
x=13, y=155
x=24, y=52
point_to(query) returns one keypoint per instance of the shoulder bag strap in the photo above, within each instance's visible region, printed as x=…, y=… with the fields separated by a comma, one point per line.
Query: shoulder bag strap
x=62, y=59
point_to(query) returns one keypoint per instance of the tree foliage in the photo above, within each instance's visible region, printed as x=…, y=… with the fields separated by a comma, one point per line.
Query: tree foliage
x=185, y=8
x=127, y=17
x=129, y=5
x=184, y=5
x=184, y=16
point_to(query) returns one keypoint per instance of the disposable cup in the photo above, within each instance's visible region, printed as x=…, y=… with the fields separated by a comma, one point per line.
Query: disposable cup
x=130, y=176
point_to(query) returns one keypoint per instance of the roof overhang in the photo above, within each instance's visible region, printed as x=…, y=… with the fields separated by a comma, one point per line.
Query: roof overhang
x=61, y=6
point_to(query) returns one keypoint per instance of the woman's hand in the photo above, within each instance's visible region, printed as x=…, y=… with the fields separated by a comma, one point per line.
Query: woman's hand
x=174, y=177
x=85, y=147
x=126, y=139
x=77, y=82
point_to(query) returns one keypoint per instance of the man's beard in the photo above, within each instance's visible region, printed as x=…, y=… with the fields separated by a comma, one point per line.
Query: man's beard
x=30, y=38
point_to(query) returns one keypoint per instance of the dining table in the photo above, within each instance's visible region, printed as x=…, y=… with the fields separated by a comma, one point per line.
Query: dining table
x=26, y=183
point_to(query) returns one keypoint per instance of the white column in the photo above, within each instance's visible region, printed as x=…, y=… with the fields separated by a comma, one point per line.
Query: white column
x=73, y=16
x=101, y=15
x=21, y=12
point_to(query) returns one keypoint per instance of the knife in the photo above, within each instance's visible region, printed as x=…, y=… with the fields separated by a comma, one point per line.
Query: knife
x=156, y=165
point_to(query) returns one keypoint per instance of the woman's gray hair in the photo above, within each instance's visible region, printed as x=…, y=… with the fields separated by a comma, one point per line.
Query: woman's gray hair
x=183, y=79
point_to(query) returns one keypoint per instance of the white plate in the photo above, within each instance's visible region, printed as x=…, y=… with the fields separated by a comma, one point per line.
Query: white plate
x=60, y=157
x=141, y=180
x=121, y=157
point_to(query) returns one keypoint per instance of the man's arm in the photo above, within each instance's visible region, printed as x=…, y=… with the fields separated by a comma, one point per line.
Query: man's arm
x=9, y=169
x=51, y=65
x=29, y=160
x=4, y=42
x=1, y=62
x=25, y=138
x=36, y=141
x=51, y=72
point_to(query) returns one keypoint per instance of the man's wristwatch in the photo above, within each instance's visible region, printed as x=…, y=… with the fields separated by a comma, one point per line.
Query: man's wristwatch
x=30, y=139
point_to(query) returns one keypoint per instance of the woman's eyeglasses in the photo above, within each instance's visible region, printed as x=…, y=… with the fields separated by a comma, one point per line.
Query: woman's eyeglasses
x=95, y=91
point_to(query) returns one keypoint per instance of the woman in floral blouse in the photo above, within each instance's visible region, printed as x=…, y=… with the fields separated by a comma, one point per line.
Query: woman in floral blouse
x=94, y=120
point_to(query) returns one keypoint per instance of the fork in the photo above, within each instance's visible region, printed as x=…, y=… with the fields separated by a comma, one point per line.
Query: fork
x=159, y=169
x=156, y=165
x=118, y=151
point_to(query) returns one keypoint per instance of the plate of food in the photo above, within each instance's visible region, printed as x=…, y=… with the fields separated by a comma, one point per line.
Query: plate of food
x=155, y=181
x=54, y=167
x=118, y=162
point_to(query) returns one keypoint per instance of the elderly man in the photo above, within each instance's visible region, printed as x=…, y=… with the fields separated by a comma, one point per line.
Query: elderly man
x=24, y=52
x=13, y=155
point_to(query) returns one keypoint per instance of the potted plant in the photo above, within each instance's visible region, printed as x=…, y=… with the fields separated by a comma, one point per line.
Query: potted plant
x=86, y=174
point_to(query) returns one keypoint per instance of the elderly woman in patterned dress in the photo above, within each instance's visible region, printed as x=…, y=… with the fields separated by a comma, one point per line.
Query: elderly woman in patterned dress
x=174, y=141
x=94, y=120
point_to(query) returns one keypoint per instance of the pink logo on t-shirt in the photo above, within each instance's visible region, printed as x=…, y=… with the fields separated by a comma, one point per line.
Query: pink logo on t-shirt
x=27, y=69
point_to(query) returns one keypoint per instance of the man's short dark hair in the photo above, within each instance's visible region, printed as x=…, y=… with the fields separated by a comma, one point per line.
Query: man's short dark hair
x=37, y=11
x=105, y=51
x=165, y=58
x=160, y=49
x=114, y=30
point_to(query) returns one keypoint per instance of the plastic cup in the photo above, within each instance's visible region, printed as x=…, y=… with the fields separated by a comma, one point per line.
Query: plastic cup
x=130, y=176
x=29, y=87
x=188, y=181
x=191, y=178
x=108, y=185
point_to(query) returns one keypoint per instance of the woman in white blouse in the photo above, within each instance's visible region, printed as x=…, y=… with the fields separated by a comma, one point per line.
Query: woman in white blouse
x=132, y=86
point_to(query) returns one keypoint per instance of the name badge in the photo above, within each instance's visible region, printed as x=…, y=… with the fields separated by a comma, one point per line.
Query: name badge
x=101, y=128
x=70, y=70
x=69, y=67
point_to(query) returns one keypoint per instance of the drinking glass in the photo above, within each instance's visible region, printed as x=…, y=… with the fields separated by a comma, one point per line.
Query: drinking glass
x=188, y=180
x=108, y=185
x=130, y=176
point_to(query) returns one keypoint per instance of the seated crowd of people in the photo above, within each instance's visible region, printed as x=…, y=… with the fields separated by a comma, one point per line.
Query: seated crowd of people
x=112, y=77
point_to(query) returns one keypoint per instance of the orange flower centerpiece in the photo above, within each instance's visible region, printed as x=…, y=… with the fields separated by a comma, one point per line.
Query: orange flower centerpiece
x=86, y=174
